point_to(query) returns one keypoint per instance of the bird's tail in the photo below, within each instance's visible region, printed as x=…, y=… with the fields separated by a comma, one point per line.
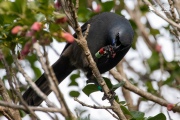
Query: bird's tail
x=62, y=68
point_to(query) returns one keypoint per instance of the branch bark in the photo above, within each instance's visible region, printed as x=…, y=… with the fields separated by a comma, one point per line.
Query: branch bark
x=142, y=93
x=81, y=40
x=53, y=82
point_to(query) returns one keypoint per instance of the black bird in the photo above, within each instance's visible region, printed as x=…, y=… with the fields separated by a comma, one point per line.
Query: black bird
x=109, y=33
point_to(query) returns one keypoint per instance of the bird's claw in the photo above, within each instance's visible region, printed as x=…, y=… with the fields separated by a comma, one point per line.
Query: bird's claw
x=111, y=96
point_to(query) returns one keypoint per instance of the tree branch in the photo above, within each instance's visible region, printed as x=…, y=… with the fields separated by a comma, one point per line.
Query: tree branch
x=93, y=106
x=9, y=113
x=83, y=44
x=31, y=83
x=142, y=93
x=50, y=76
x=43, y=109
x=160, y=15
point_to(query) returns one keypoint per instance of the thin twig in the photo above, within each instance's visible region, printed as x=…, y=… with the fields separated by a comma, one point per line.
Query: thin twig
x=97, y=107
x=17, y=93
x=52, y=80
x=43, y=109
x=160, y=15
x=68, y=114
x=171, y=3
x=126, y=93
x=57, y=53
x=140, y=92
x=93, y=106
x=87, y=31
x=9, y=113
x=36, y=47
x=13, y=114
x=30, y=82
x=8, y=74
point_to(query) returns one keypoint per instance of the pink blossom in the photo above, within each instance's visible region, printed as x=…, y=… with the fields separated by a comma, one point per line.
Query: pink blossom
x=16, y=29
x=67, y=36
x=37, y=26
x=170, y=107
x=158, y=48
x=26, y=48
x=97, y=9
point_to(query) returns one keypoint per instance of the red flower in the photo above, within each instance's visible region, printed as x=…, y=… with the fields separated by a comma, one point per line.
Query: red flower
x=16, y=29
x=67, y=36
x=26, y=48
x=158, y=48
x=37, y=26
x=170, y=107
x=97, y=9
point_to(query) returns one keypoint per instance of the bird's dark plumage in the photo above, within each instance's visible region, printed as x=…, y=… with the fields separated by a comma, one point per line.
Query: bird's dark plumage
x=107, y=29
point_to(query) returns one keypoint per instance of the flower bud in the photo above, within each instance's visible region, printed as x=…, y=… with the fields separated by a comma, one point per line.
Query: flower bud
x=37, y=26
x=16, y=29
x=67, y=36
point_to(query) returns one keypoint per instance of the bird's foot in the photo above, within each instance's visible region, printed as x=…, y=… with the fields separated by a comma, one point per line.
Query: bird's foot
x=111, y=95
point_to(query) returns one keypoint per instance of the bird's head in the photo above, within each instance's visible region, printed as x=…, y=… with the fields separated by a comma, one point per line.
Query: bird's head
x=123, y=39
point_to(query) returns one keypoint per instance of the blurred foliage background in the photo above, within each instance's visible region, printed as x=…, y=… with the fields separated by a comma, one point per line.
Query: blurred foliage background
x=152, y=63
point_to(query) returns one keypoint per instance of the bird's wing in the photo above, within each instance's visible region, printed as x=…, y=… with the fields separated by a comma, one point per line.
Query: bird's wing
x=83, y=29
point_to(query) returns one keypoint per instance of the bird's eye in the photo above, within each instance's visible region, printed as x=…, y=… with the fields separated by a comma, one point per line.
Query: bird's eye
x=118, y=42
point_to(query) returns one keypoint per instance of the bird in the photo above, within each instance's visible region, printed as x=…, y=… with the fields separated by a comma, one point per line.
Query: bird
x=109, y=38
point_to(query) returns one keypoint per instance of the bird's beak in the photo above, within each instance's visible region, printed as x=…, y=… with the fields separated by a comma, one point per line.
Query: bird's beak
x=121, y=47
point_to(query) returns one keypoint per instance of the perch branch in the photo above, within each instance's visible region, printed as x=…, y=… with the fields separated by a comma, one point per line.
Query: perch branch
x=142, y=93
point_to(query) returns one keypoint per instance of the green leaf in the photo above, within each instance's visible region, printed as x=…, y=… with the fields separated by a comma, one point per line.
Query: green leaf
x=125, y=110
x=1, y=20
x=20, y=6
x=74, y=93
x=6, y=6
x=114, y=87
x=159, y=116
x=116, y=98
x=122, y=102
x=107, y=6
x=168, y=80
x=153, y=61
x=150, y=87
x=108, y=82
x=7, y=55
x=73, y=78
x=84, y=14
x=22, y=113
x=40, y=17
x=144, y=8
x=137, y=115
x=90, y=88
x=133, y=24
x=178, y=86
x=58, y=15
x=54, y=27
x=154, y=31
